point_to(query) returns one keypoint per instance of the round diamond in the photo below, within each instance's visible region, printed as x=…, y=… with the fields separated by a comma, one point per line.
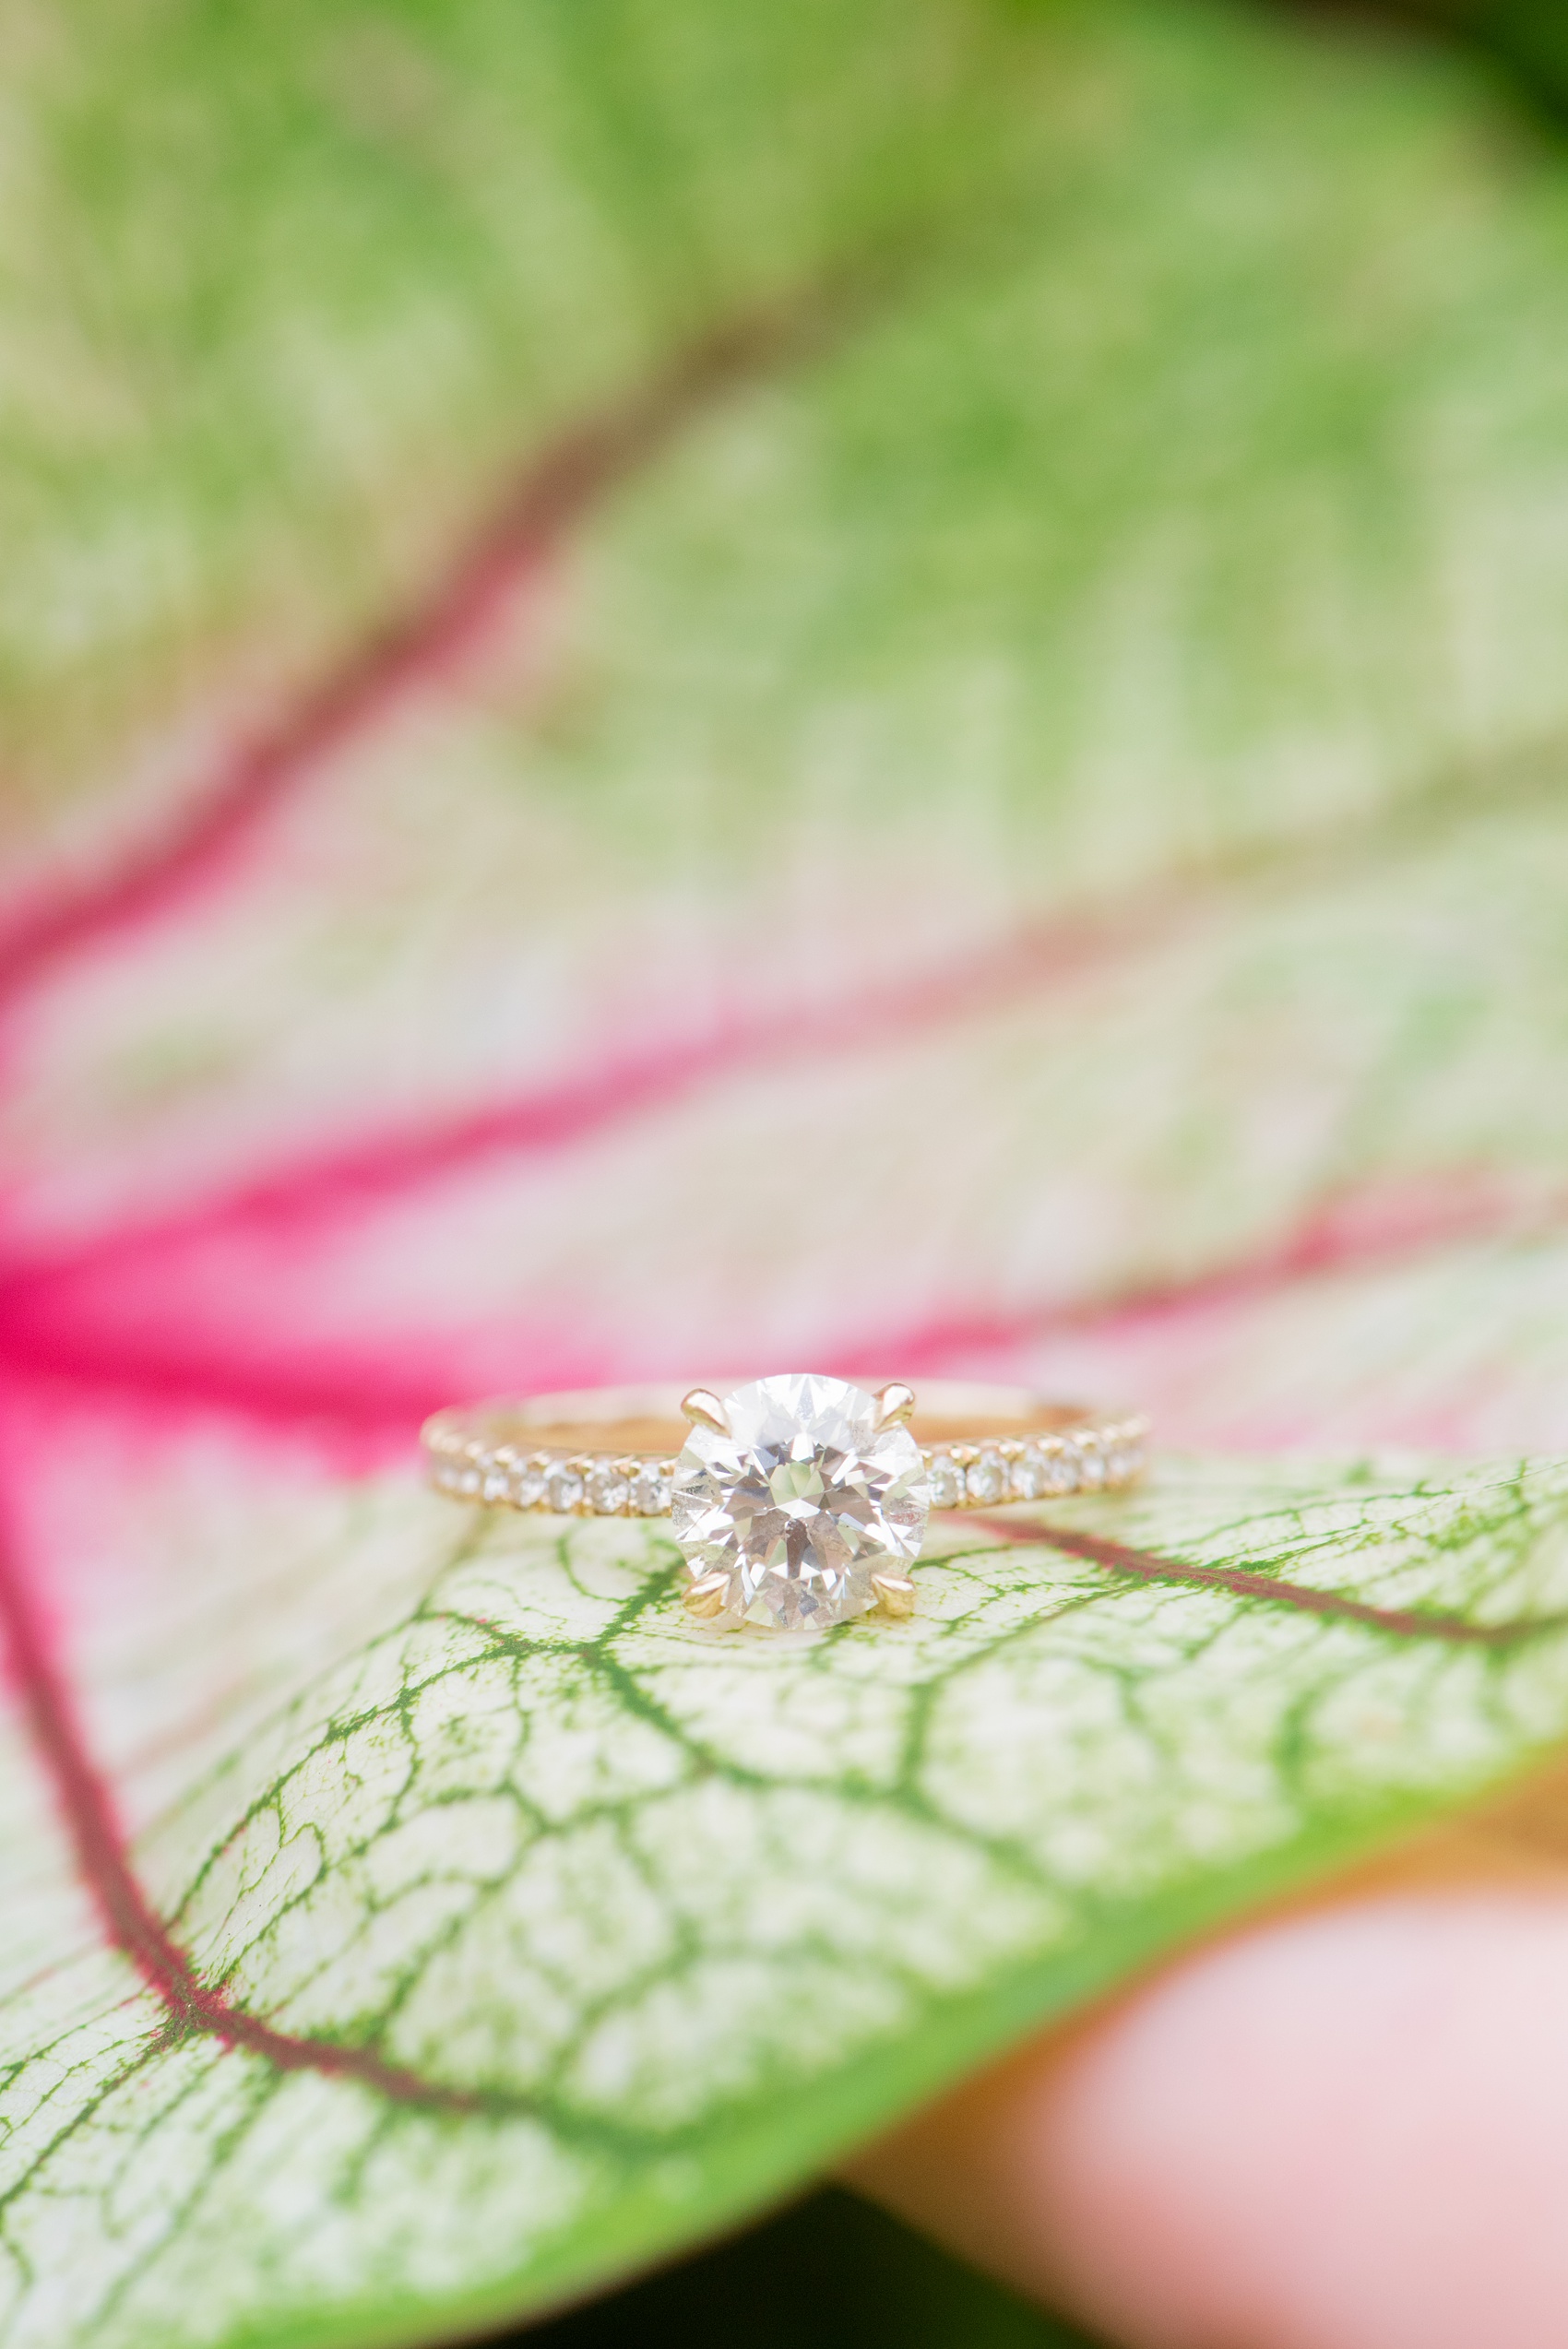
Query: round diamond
x=1069, y=1465
x=1091, y=1463
x=564, y=1487
x=650, y=1491
x=988, y=1478
x=1031, y=1474
x=802, y=1503
x=607, y=1489
x=1060, y=1466
x=945, y=1481
x=528, y=1484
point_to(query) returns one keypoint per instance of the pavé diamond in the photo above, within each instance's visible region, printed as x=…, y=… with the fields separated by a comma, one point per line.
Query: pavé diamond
x=528, y=1484
x=650, y=1491
x=946, y=1482
x=608, y=1489
x=802, y=1503
x=1031, y=1474
x=988, y=1478
x=1091, y=1463
x=563, y=1489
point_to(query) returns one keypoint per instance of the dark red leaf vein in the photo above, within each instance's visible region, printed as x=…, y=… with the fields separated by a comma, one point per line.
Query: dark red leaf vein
x=52, y=1324
x=548, y=498
x=1377, y=1226
x=129, y=1920
x=557, y=1115
x=1147, y=1566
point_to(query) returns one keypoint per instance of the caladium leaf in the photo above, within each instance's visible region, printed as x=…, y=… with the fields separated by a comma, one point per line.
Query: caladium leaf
x=1107, y=688
x=544, y=1930
x=868, y=687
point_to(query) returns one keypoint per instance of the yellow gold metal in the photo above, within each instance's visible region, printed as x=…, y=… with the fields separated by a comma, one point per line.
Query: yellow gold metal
x=706, y=1595
x=893, y=1403
x=896, y=1593
x=704, y=1406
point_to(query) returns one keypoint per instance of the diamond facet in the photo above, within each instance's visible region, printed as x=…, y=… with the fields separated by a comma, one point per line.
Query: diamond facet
x=801, y=1502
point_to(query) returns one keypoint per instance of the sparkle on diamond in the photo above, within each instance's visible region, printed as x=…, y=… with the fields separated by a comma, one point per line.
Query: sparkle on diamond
x=802, y=1503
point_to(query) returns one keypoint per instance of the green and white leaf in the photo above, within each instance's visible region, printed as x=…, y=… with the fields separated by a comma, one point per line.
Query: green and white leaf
x=671, y=1916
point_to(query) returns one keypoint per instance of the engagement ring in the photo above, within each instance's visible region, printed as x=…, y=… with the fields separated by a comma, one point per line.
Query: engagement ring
x=797, y=1500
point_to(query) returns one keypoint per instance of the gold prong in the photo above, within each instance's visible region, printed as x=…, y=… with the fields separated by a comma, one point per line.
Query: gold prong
x=582, y=1465
x=705, y=1410
x=896, y=1593
x=893, y=1403
x=706, y=1595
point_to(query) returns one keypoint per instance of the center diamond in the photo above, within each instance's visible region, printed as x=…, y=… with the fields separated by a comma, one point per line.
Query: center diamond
x=801, y=1502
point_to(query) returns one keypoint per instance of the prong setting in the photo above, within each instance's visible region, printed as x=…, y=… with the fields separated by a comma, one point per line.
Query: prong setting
x=895, y=1592
x=705, y=1409
x=704, y=1598
x=893, y=1403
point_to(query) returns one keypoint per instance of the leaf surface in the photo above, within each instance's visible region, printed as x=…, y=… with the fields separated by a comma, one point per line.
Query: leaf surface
x=544, y=1930
x=877, y=687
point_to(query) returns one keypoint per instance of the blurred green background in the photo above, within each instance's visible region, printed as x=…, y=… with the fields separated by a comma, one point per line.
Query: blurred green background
x=1527, y=38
